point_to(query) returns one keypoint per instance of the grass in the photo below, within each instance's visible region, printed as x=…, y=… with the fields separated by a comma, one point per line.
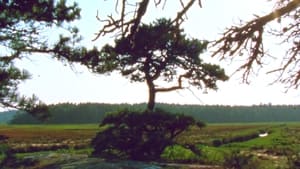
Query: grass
x=45, y=133
x=279, y=137
x=282, y=142
x=52, y=126
x=179, y=154
x=23, y=139
x=85, y=151
x=212, y=132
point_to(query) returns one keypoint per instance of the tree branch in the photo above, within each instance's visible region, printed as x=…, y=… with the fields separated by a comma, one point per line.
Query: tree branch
x=248, y=38
x=179, y=18
x=179, y=85
x=290, y=65
x=128, y=27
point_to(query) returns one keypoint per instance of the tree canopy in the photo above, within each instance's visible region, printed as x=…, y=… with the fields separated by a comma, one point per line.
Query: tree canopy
x=246, y=39
x=159, y=51
x=22, y=27
x=23, y=23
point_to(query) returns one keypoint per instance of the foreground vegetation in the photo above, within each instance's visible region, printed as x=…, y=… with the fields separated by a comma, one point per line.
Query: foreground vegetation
x=239, y=145
x=228, y=145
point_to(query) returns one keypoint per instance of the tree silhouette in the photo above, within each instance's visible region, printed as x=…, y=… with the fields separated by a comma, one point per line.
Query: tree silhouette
x=157, y=53
x=127, y=22
x=23, y=24
x=246, y=39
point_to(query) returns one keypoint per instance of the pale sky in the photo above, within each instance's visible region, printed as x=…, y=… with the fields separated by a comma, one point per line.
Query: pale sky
x=56, y=82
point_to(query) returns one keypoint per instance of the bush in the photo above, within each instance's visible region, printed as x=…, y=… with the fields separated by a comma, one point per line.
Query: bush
x=241, y=138
x=237, y=160
x=234, y=139
x=138, y=136
x=178, y=153
x=3, y=148
x=217, y=142
x=11, y=161
x=211, y=155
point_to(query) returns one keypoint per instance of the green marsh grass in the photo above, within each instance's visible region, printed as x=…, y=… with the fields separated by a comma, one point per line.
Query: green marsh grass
x=283, y=141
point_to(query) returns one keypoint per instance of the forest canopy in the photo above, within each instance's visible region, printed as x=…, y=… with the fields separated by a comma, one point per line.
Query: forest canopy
x=69, y=113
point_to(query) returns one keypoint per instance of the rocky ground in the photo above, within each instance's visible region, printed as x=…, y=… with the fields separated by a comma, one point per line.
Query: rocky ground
x=82, y=161
x=94, y=163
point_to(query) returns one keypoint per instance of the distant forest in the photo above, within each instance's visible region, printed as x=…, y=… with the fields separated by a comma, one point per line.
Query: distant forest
x=68, y=113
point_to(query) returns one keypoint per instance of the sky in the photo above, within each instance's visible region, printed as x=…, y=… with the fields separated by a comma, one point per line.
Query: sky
x=55, y=82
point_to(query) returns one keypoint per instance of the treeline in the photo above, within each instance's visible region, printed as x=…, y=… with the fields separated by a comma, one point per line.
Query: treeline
x=6, y=116
x=229, y=114
x=69, y=113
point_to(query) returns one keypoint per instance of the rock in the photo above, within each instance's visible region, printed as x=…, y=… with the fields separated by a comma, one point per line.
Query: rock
x=94, y=163
x=263, y=134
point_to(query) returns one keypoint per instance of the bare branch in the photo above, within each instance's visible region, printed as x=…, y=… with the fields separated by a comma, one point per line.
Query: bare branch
x=248, y=37
x=199, y=3
x=179, y=83
x=290, y=65
x=128, y=25
x=157, y=2
x=163, y=7
x=179, y=18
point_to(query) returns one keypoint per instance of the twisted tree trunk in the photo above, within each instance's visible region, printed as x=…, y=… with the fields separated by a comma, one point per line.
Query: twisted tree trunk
x=152, y=93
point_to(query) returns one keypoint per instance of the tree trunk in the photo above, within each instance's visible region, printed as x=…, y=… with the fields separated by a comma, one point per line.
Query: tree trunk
x=152, y=92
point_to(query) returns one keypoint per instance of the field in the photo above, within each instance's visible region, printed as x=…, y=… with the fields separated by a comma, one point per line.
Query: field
x=23, y=137
x=217, y=145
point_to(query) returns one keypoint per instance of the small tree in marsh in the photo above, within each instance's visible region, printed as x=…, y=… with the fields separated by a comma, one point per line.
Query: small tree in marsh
x=158, y=51
x=139, y=135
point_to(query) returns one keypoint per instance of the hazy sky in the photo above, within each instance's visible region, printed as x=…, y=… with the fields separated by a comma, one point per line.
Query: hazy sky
x=55, y=82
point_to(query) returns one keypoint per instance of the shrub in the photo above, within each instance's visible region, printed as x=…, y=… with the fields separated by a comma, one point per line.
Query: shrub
x=234, y=139
x=200, y=124
x=11, y=161
x=241, y=138
x=179, y=154
x=139, y=136
x=217, y=142
x=211, y=155
x=3, y=148
x=237, y=160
